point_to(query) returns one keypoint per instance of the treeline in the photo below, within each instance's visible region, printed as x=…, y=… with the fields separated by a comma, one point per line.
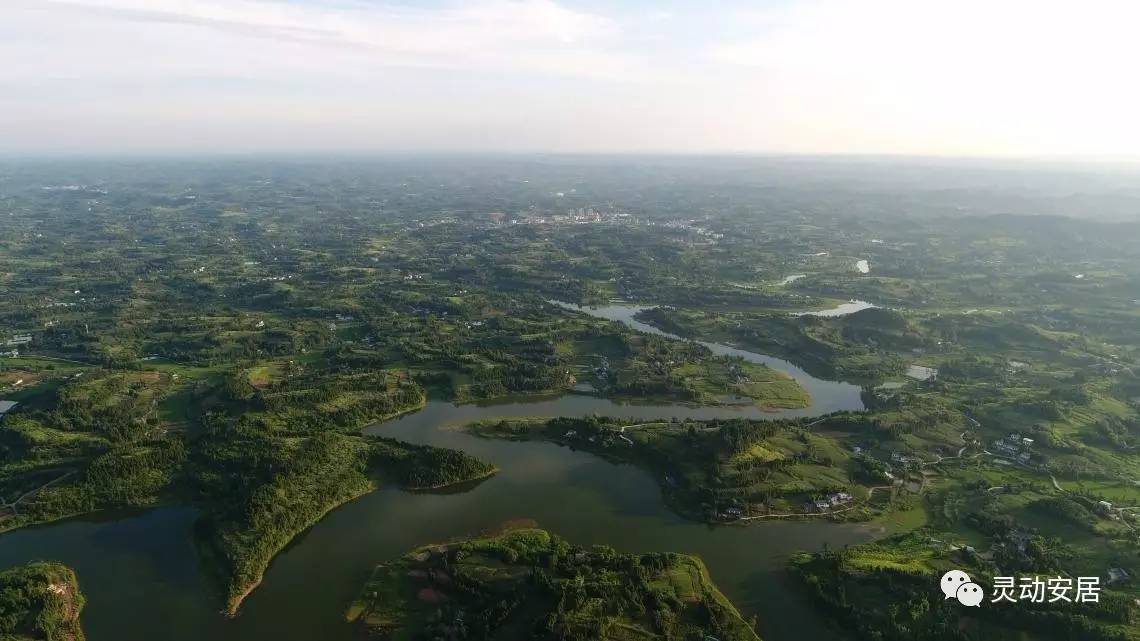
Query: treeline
x=424, y=467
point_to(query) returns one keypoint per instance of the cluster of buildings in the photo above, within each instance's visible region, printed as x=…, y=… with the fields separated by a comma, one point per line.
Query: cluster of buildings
x=731, y=513
x=19, y=339
x=835, y=499
x=15, y=342
x=602, y=371
x=1109, y=368
x=903, y=459
x=579, y=216
x=1015, y=446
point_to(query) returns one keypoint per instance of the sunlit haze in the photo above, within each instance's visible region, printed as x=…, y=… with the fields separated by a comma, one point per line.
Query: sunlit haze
x=962, y=77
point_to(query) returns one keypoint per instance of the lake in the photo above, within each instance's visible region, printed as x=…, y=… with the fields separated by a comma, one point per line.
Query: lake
x=141, y=575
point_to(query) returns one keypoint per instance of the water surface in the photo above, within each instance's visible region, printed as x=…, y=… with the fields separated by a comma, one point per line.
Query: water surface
x=826, y=395
x=141, y=573
x=842, y=309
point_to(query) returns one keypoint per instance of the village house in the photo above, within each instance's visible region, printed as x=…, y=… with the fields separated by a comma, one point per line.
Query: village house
x=838, y=498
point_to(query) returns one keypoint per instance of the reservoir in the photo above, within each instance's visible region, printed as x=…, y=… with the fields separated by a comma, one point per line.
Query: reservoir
x=843, y=309
x=143, y=581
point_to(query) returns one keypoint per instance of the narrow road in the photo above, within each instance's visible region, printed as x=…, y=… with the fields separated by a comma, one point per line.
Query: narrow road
x=54, y=358
x=13, y=504
x=947, y=458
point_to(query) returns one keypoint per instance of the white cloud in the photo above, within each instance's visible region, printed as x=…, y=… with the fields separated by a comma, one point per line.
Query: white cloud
x=528, y=35
x=980, y=76
x=866, y=76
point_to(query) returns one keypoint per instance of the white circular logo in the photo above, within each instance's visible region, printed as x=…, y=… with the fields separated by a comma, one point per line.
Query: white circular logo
x=953, y=580
x=970, y=594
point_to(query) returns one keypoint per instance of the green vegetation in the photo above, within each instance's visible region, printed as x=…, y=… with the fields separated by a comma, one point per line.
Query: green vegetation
x=257, y=505
x=865, y=346
x=888, y=590
x=264, y=462
x=843, y=466
x=93, y=440
x=217, y=334
x=531, y=584
x=40, y=602
x=720, y=469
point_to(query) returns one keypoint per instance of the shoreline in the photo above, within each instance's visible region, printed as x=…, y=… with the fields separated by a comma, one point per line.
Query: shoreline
x=233, y=605
x=427, y=488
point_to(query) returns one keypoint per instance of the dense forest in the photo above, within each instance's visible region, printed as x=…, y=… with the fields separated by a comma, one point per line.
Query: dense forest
x=531, y=584
x=40, y=602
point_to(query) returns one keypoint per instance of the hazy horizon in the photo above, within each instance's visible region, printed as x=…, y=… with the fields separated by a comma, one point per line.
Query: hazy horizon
x=970, y=79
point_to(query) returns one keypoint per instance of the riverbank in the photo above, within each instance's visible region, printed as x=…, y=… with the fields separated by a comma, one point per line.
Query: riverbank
x=798, y=473
x=419, y=424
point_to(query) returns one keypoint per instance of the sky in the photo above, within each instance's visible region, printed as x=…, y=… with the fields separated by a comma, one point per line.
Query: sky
x=1036, y=78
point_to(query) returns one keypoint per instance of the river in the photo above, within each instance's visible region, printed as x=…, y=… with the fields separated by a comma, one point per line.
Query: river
x=141, y=575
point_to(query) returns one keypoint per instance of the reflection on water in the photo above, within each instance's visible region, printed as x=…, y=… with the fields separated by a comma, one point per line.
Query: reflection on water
x=142, y=577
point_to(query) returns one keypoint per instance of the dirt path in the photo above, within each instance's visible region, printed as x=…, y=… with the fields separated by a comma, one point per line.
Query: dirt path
x=55, y=358
x=13, y=504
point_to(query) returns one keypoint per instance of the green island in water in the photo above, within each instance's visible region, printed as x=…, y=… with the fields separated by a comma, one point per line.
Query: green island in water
x=228, y=389
x=40, y=602
x=530, y=584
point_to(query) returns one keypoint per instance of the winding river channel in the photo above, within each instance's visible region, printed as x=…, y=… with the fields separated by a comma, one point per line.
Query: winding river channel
x=141, y=575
